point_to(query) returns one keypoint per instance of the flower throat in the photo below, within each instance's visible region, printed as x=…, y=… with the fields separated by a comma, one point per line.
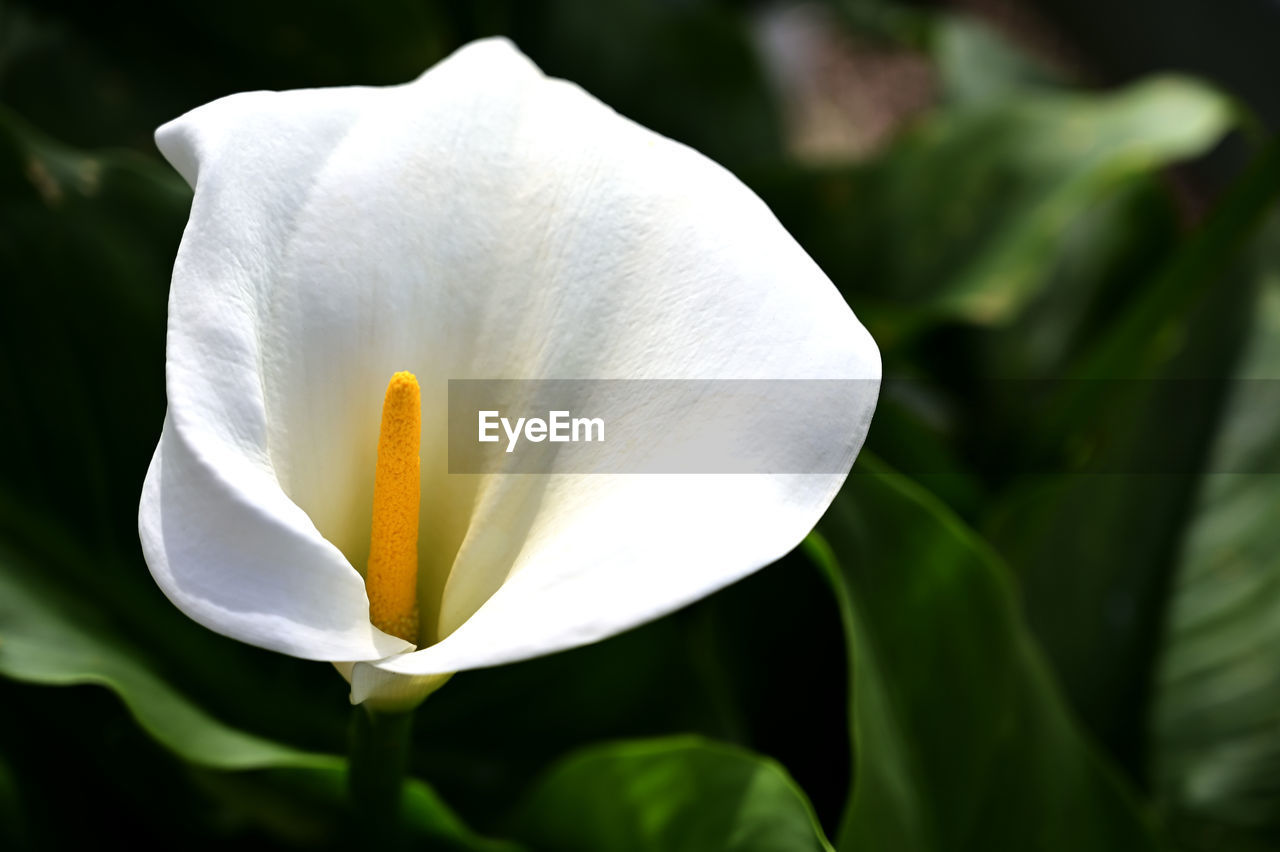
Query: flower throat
x=391, y=579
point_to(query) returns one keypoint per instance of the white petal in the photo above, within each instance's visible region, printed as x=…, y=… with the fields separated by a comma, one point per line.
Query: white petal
x=222, y=539
x=388, y=691
x=486, y=222
x=231, y=551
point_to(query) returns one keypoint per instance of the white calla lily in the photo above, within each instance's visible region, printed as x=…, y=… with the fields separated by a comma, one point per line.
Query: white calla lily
x=483, y=221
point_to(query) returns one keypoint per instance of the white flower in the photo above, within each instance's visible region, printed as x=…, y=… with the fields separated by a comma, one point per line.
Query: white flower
x=482, y=221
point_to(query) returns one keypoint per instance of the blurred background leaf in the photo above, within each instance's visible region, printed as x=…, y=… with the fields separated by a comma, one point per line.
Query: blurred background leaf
x=1133, y=418
x=960, y=219
x=960, y=739
x=50, y=640
x=726, y=668
x=681, y=795
x=1217, y=707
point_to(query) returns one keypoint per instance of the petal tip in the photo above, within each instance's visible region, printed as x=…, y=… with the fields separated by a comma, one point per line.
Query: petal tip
x=496, y=55
x=386, y=691
x=176, y=145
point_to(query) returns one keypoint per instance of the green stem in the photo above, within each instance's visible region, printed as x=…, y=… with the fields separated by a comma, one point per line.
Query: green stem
x=379, y=757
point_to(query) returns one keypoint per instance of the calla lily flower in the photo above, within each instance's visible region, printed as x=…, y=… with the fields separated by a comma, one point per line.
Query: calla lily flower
x=482, y=221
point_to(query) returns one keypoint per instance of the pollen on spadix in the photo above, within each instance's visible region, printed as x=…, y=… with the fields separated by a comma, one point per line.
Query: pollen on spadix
x=391, y=579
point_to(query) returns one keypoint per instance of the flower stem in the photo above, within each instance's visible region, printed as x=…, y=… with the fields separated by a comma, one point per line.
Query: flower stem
x=379, y=756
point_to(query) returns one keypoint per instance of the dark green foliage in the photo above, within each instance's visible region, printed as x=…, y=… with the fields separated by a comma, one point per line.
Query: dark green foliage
x=1047, y=620
x=961, y=741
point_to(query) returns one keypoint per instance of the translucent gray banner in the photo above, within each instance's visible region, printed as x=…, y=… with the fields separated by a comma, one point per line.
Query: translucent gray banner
x=656, y=426
x=1106, y=427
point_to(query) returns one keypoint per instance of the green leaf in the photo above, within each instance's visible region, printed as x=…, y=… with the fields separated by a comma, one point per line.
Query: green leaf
x=49, y=638
x=680, y=794
x=697, y=671
x=960, y=738
x=1216, y=750
x=976, y=63
x=1125, y=238
x=961, y=219
x=1114, y=454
